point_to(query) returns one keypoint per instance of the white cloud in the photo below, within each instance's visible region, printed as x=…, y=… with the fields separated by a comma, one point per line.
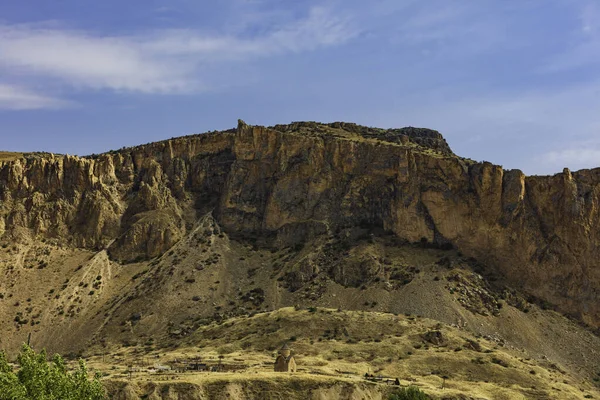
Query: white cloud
x=18, y=98
x=167, y=61
x=575, y=158
x=82, y=60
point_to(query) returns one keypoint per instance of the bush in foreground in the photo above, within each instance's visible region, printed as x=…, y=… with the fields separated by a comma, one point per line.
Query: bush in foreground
x=37, y=379
x=409, y=393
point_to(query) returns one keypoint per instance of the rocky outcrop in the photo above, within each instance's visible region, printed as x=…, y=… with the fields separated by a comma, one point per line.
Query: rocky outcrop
x=425, y=138
x=295, y=182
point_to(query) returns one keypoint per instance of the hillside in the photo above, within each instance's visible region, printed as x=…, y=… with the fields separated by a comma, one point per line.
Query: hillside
x=336, y=348
x=162, y=246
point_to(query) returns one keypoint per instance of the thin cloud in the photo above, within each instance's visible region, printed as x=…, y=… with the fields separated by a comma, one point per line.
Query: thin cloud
x=538, y=131
x=167, y=61
x=575, y=158
x=450, y=29
x=17, y=98
x=583, y=54
x=319, y=29
x=550, y=129
x=86, y=61
x=589, y=19
x=584, y=47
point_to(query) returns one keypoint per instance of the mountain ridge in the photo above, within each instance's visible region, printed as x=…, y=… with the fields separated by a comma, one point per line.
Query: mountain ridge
x=146, y=247
x=140, y=200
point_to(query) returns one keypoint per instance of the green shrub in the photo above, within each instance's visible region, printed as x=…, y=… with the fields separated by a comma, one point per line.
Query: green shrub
x=38, y=379
x=409, y=393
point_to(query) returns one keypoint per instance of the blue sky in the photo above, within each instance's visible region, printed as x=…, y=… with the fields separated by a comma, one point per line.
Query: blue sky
x=514, y=82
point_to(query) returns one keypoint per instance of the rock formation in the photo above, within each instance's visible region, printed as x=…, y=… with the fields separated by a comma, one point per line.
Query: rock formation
x=291, y=183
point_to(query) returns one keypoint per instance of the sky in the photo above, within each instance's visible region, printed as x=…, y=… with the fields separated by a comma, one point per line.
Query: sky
x=513, y=82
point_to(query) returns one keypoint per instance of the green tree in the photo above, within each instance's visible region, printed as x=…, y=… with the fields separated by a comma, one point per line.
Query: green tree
x=409, y=393
x=37, y=379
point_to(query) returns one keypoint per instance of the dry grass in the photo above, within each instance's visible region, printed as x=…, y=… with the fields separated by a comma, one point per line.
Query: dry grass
x=9, y=156
x=341, y=346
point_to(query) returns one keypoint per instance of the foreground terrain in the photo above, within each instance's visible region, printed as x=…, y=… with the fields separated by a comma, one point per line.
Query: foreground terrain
x=334, y=349
x=368, y=250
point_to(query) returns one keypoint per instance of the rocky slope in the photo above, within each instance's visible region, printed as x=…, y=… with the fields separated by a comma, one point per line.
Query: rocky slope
x=293, y=183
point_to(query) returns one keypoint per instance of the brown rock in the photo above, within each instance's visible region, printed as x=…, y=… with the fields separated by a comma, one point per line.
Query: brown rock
x=307, y=179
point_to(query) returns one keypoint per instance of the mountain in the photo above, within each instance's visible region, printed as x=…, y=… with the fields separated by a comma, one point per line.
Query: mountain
x=153, y=243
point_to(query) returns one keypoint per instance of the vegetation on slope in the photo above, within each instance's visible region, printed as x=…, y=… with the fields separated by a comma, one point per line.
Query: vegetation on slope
x=409, y=393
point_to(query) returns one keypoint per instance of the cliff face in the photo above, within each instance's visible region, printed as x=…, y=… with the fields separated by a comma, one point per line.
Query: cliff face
x=290, y=183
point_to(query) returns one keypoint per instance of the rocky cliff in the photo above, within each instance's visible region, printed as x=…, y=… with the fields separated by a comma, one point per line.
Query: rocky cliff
x=292, y=183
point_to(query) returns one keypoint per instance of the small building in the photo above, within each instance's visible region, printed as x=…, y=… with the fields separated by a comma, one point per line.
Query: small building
x=285, y=360
x=197, y=366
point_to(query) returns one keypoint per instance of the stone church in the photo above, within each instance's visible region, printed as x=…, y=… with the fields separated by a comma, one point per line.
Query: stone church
x=285, y=360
